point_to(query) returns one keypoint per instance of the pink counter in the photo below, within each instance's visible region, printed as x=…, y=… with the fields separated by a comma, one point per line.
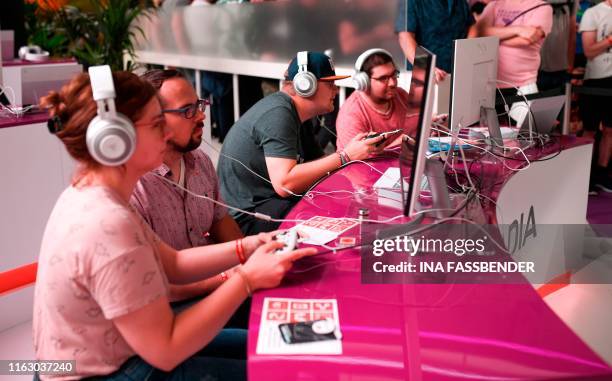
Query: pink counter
x=27, y=119
x=420, y=332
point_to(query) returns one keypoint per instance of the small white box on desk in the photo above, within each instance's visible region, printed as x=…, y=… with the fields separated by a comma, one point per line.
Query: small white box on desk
x=388, y=188
x=31, y=81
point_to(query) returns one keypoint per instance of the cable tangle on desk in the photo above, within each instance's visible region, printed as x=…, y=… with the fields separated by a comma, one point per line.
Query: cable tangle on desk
x=12, y=111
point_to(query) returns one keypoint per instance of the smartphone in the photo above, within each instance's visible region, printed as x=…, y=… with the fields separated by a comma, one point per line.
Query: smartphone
x=385, y=135
x=308, y=331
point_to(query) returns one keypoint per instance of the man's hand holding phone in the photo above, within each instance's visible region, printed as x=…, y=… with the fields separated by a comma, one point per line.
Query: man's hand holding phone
x=385, y=135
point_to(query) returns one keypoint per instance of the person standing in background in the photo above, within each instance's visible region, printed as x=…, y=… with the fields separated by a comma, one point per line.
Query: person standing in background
x=522, y=26
x=596, y=110
x=434, y=24
x=559, y=49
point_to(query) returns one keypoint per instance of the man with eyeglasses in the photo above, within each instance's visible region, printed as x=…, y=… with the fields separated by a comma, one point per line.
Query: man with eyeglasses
x=180, y=219
x=262, y=167
x=377, y=105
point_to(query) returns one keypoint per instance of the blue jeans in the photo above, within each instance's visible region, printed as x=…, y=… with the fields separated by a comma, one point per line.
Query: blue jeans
x=224, y=358
x=217, y=361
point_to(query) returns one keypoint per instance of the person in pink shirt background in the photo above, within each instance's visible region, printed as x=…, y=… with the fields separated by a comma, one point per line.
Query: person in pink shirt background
x=521, y=26
x=378, y=104
x=101, y=294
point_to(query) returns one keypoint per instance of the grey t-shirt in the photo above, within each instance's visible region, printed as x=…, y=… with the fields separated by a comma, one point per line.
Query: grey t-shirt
x=271, y=128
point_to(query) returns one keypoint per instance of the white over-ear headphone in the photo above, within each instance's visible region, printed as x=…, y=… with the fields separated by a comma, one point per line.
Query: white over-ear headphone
x=33, y=53
x=304, y=82
x=361, y=79
x=111, y=138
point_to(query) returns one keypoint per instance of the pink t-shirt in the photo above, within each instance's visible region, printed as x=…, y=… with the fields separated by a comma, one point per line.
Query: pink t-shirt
x=357, y=115
x=98, y=261
x=518, y=65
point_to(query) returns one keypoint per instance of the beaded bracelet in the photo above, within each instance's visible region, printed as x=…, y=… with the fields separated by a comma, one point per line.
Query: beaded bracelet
x=240, y=251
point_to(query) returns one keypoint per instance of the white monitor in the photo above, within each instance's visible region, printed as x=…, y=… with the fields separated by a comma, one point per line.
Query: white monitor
x=413, y=154
x=473, y=80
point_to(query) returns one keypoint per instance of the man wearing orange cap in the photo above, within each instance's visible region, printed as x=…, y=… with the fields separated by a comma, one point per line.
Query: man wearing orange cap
x=261, y=167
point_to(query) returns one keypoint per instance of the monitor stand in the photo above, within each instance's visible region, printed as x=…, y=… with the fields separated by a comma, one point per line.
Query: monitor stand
x=495, y=140
x=434, y=171
x=441, y=206
x=488, y=118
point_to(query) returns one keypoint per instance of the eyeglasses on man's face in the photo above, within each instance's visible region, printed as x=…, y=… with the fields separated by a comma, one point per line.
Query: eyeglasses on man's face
x=386, y=78
x=189, y=111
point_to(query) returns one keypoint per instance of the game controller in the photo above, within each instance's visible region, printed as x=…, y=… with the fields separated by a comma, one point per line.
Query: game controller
x=289, y=239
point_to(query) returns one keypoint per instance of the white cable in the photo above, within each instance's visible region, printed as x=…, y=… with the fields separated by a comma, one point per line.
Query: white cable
x=386, y=221
x=461, y=152
x=13, y=110
x=467, y=171
x=270, y=182
x=266, y=217
x=351, y=194
x=428, y=226
x=249, y=169
x=506, y=107
x=322, y=124
x=260, y=216
x=502, y=159
x=309, y=194
x=369, y=165
x=16, y=111
x=520, y=93
x=3, y=90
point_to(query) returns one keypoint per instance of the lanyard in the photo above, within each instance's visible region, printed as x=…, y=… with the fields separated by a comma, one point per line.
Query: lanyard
x=181, y=180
